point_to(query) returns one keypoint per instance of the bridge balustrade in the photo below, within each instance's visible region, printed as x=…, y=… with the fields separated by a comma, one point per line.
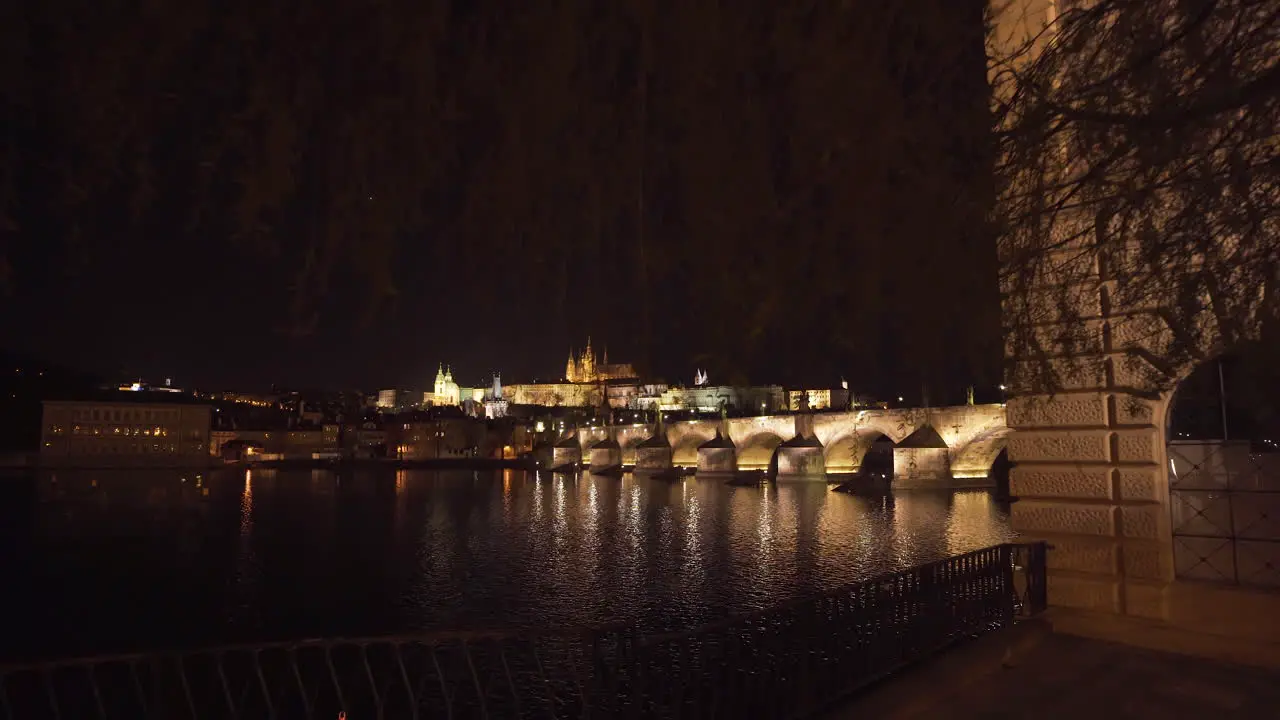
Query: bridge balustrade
x=790, y=660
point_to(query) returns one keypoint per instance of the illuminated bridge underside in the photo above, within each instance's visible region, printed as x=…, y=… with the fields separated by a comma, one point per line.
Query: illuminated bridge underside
x=973, y=435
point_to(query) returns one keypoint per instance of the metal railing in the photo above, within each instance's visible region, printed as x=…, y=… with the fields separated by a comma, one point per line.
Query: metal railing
x=786, y=661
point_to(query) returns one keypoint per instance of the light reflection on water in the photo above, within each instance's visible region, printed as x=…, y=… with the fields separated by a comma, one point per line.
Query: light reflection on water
x=143, y=559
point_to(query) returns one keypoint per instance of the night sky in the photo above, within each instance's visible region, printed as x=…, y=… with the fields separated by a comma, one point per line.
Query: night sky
x=340, y=195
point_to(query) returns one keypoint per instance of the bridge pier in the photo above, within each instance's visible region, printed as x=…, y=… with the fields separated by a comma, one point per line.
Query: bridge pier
x=962, y=441
x=605, y=455
x=654, y=455
x=566, y=454
x=801, y=458
x=717, y=456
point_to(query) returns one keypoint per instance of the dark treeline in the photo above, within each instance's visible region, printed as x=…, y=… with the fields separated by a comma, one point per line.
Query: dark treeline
x=784, y=191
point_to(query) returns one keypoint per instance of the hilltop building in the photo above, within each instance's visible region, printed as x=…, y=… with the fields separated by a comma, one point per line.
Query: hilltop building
x=445, y=390
x=586, y=368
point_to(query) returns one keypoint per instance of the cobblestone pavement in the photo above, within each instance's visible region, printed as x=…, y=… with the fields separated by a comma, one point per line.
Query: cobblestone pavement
x=1065, y=676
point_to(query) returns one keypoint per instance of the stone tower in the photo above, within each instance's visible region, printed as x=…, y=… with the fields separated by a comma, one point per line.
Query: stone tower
x=571, y=368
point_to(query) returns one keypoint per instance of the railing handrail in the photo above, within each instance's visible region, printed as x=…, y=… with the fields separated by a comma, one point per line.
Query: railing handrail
x=845, y=589
x=441, y=637
x=782, y=661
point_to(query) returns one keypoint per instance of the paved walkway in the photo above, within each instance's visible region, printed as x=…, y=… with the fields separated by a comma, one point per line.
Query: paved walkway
x=1054, y=675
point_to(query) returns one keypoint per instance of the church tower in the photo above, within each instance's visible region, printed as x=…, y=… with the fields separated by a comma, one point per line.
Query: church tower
x=439, y=386
x=588, y=365
x=571, y=368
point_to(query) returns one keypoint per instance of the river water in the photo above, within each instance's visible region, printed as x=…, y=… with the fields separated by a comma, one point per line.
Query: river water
x=112, y=561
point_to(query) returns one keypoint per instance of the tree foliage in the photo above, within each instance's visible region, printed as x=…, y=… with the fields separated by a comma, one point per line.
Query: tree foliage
x=731, y=179
x=1137, y=153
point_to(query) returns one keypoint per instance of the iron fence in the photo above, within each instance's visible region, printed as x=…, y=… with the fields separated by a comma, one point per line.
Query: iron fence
x=1224, y=502
x=786, y=661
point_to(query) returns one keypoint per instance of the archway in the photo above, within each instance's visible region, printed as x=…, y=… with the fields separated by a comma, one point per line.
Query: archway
x=685, y=452
x=757, y=451
x=1223, y=426
x=999, y=475
x=842, y=454
x=877, y=461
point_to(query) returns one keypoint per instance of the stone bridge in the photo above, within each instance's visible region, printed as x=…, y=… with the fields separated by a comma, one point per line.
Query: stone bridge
x=934, y=447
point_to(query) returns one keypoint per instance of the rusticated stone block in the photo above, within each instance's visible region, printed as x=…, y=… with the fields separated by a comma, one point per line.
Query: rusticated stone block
x=1031, y=481
x=1087, y=592
x=1081, y=554
x=1144, y=521
x=1147, y=560
x=1142, y=483
x=1058, y=339
x=1133, y=372
x=1081, y=301
x=1130, y=410
x=1074, y=410
x=1142, y=330
x=1139, y=445
x=1060, y=446
x=1083, y=373
x=1072, y=266
x=1039, y=516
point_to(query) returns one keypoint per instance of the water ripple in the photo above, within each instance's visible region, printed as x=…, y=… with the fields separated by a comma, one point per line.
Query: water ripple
x=131, y=562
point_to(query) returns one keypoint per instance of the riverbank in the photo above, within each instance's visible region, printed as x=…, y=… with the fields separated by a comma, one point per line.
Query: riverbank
x=390, y=463
x=32, y=463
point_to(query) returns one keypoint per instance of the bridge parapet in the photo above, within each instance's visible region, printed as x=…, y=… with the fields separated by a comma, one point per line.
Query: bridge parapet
x=972, y=436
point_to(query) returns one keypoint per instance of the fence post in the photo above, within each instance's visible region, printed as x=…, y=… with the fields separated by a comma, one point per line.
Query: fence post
x=1009, y=598
x=1037, y=577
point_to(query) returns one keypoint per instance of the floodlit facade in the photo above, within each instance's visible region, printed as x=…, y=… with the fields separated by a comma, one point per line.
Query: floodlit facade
x=553, y=394
x=712, y=398
x=101, y=434
x=445, y=391
x=586, y=368
x=823, y=399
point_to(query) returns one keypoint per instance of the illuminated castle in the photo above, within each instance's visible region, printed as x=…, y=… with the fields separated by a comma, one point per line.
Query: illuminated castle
x=583, y=368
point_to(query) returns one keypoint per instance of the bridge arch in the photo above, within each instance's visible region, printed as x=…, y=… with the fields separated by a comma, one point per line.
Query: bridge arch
x=685, y=437
x=877, y=461
x=757, y=450
x=846, y=453
x=629, y=438
x=685, y=450
x=976, y=458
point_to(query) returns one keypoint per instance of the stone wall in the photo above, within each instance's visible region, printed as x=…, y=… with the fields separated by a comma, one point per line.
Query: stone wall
x=974, y=434
x=717, y=460
x=1089, y=461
